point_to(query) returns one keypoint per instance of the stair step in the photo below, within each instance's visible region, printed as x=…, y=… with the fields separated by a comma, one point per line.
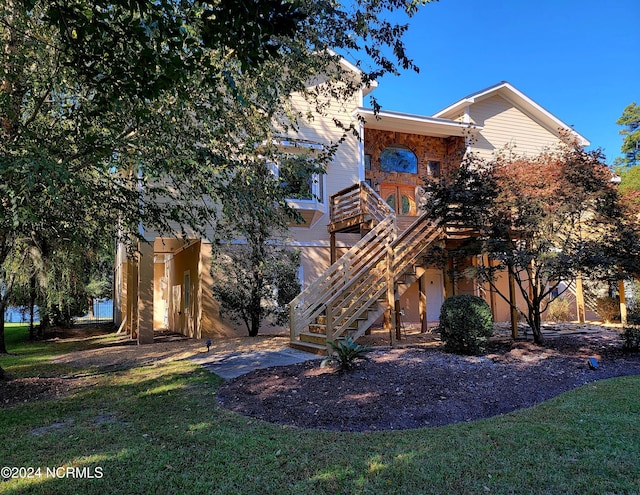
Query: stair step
x=321, y=320
x=313, y=338
x=309, y=347
x=318, y=328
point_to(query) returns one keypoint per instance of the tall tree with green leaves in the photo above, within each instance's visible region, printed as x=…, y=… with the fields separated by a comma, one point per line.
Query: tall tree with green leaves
x=95, y=131
x=630, y=120
x=255, y=273
x=541, y=220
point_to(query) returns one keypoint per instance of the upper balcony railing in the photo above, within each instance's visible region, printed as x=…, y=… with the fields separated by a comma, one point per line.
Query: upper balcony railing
x=354, y=201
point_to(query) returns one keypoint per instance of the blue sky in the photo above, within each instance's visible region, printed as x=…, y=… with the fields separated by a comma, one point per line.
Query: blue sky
x=579, y=59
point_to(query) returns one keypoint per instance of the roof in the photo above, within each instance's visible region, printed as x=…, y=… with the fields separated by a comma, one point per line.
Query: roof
x=366, y=88
x=516, y=98
x=413, y=124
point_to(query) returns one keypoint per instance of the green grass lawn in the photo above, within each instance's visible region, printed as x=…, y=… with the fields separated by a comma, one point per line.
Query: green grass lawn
x=159, y=430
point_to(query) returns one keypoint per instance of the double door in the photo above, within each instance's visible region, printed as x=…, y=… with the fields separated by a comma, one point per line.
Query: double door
x=401, y=198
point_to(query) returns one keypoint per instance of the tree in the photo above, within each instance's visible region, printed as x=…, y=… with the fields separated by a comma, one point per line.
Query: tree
x=630, y=119
x=256, y=276
x=100, y=132
x=541, y=220
x=630, y=179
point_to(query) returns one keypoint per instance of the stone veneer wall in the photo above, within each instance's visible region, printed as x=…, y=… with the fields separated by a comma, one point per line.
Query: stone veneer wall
x=448, y=151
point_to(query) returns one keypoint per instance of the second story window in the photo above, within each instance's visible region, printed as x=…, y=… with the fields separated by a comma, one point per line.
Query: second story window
x=398, y=158
x=301, y=180
x=300, y=174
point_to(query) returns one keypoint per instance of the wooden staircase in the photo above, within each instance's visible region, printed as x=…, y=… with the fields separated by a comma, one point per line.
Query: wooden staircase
x=359, y=287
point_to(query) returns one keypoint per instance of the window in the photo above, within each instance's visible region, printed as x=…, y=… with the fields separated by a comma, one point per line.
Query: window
x=301, y=180
x=301, y=177
x=398, y=158
x=302, y=183
x=433, y=168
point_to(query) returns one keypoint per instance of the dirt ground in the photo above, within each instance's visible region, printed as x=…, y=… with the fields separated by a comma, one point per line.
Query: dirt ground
x=411, y=385
x=120, y=353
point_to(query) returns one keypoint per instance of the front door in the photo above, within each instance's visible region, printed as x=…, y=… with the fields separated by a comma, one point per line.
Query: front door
x=400, y=198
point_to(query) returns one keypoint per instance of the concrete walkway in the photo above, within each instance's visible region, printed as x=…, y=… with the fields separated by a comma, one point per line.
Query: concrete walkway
x=234, y=364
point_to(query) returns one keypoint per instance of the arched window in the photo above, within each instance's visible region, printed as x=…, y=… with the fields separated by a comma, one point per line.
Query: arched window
x=398, y=158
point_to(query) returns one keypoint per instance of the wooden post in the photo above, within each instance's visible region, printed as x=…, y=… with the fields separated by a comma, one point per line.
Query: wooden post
x=422, y=304
x=292, y=321
x=623, y=303
x=328, y=329
x=390, y=295
x=580, y=300
x=398, y=315
x=332, y=248
x=513, y=306
x=492, y=295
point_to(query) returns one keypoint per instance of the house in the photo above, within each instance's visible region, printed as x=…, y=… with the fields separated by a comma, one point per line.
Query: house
x=363, y=239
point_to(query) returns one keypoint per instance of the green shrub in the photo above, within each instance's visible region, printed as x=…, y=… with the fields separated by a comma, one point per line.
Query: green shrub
x=558, y=309
x=466, y=324
x=633, y=317
x=631, y=338
x=608, y=308
x=345, y=353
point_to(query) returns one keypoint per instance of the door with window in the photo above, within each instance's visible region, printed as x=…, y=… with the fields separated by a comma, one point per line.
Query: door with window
x=401, y=198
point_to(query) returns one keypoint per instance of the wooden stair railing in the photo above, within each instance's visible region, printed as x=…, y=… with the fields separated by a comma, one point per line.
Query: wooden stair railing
x=589, y=302
x=313, y=301
x=360, y=300
x=349, y=295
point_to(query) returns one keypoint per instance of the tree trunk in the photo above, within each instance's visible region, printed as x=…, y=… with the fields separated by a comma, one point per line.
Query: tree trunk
x=255, y=305
x=3, y=345
x=255, y=325
x=536, y=325
x=32, y=303
x=91, y=313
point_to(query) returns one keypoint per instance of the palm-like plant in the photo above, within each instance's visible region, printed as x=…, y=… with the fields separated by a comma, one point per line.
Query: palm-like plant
x=345, y=353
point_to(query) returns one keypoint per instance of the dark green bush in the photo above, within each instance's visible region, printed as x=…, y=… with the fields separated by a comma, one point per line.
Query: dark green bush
x=633, y=318
x=466, y=323
x=631, y=338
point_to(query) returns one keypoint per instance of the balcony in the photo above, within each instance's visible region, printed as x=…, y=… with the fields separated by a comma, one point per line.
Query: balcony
x=306, y=194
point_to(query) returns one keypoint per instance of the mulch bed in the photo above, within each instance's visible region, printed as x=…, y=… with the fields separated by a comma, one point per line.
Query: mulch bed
x=412, y=387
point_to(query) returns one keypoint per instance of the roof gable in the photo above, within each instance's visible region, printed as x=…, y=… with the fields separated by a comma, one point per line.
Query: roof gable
x=518, y=100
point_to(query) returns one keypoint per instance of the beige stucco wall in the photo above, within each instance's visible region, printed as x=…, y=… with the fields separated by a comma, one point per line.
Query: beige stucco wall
x=182, y=316
x=212, y=324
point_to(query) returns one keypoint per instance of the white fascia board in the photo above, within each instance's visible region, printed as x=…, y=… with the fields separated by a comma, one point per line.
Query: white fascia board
x=413, y=124
x=366, y=89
